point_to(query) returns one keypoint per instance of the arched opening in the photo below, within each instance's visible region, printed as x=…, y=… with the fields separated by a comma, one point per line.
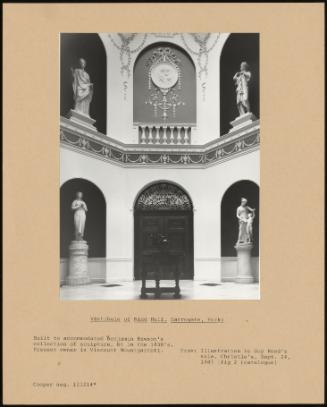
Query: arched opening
x=164, y=71
x=163, y=210
x=238, y=48
x=95, y=226
x=229, y=223
x=90, y=47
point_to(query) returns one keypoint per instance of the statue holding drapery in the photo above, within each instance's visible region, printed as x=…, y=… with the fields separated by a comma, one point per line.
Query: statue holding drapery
x=82, y=88
x=79, y=207
x=242, y=79
x=245, y=216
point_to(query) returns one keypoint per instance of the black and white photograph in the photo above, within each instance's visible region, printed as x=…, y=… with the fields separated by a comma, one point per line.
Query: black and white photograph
x=151, y=231
x=159, y=166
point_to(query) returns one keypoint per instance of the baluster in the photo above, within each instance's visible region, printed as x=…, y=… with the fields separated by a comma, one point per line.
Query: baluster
x=150, y=135
x=154, y=134
x=169, y=132
x=188, y=135
x=179, y=135
x=183, y=135
x=142, y=134
x=158, y=135
x=164, y=136
x=175, y=131
x=147, y=132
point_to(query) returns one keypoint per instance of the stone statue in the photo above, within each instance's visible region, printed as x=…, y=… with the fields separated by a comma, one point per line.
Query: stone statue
x=242, y=79
x=79, y=207
x=245, y=216
x=82, y=88
x=249, y=226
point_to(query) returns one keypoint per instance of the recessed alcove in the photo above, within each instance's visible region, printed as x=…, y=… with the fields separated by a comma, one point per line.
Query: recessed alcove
x=95, y=227
x=90, y=47
x=229, y=227
x=229, y=223
x=216, y=171
x=238, y=47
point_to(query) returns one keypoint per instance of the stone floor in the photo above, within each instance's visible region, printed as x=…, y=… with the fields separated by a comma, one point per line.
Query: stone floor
x=190, y=290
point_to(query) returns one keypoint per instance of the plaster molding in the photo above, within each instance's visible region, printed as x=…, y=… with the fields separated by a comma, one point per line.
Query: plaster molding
x=105, y=148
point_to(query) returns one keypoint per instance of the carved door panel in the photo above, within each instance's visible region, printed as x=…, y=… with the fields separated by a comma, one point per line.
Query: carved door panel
x=148, y=228
x=177, y=227
x=163, y=229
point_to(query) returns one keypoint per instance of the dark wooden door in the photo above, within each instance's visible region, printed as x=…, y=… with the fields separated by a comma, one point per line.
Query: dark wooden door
x=151, y=228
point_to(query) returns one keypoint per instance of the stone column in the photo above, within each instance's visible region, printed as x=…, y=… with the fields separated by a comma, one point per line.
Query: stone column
x=77, y=268
x=244, y=267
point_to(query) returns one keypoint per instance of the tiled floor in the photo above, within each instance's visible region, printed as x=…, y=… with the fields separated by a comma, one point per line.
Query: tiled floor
x=190, y=290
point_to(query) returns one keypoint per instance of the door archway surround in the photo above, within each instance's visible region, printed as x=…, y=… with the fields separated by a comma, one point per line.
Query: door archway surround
x=163, y=209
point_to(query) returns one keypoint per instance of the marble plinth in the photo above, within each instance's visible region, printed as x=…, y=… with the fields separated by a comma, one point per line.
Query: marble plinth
x=82, y=119
x=244, y=266
x=77, y=267
x=242, y=121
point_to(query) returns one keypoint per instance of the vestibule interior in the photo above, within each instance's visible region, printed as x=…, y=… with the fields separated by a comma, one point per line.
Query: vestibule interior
x=146, y=137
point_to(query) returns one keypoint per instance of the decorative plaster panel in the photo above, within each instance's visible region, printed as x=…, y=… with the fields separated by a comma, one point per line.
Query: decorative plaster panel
x=100, y=146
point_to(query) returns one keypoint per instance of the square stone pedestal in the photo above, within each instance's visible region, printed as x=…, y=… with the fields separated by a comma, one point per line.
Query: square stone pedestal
x=242, y=121
x=77, y=266
x=82, y=119
x=244, y=266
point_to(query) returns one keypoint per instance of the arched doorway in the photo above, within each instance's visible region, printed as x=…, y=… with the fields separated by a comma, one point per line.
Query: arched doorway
x=164, y=210
x=95, y=227
x=229, y=223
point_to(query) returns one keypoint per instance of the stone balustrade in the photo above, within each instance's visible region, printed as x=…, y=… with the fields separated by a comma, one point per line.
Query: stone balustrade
x=164, y=134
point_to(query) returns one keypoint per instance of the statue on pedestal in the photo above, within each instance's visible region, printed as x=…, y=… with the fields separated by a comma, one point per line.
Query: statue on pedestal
x=242, y=80
x=78, y=248
x=244, y=244
x=79, y=207
x=245, y=216
x=82, y=88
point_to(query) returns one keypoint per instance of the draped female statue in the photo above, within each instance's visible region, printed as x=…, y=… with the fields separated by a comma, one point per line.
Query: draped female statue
x=79, y=207
x=82, y=88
